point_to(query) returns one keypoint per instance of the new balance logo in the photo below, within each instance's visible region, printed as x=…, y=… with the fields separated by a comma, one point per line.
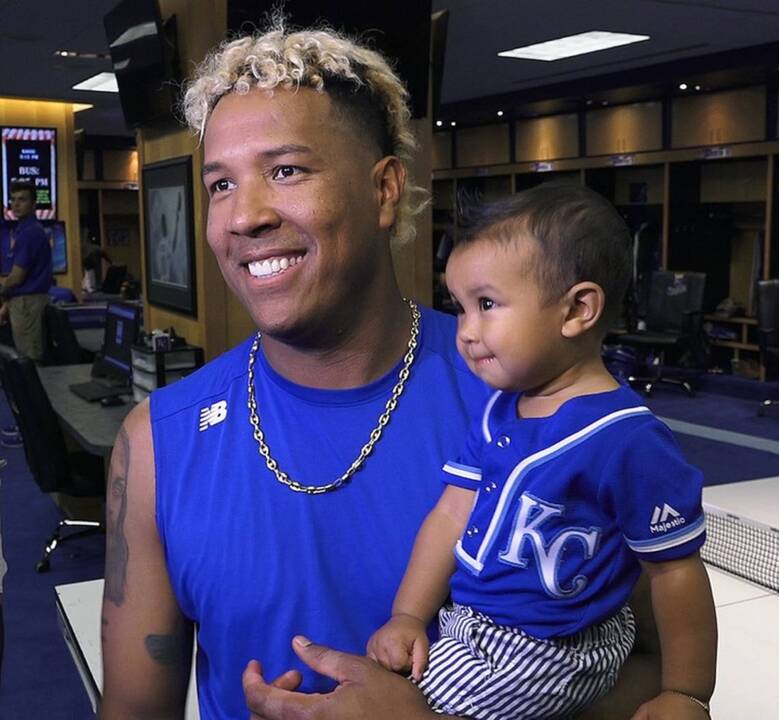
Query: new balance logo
x=665, y=518
x=213, y=415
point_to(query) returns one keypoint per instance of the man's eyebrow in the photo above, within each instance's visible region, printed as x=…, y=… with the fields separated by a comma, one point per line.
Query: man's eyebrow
x=265, y=155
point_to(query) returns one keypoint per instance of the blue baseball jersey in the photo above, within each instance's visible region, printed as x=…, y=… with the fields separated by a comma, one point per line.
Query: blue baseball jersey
x=253, y=563
x=565, y=508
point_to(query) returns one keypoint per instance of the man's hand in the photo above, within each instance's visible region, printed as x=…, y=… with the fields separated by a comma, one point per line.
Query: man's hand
x=401, y=645
x=364, y=690
x=671, y=706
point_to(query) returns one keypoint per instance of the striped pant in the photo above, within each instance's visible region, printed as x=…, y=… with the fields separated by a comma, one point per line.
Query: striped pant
x=482, y=671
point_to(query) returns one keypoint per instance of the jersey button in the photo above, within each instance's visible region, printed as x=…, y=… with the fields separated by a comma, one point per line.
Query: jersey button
x=472, y=530
x=504, y=441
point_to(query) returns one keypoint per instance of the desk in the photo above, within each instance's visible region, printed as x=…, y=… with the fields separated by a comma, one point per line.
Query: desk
x=78, y=612
x=93, y=426
x=90, y=338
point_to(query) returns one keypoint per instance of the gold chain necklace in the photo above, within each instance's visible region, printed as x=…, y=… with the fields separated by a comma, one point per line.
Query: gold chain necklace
x=366, y=450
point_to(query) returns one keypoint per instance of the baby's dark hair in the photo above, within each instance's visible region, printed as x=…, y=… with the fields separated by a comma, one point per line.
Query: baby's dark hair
x=580, y=235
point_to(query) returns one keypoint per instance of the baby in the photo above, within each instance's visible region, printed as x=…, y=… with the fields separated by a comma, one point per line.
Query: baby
x=567, y=486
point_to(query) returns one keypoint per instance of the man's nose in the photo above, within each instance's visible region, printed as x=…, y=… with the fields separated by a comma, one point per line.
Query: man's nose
x=253, y=210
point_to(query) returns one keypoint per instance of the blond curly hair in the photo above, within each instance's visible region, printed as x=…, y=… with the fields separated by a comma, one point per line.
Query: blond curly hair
x=310, y=58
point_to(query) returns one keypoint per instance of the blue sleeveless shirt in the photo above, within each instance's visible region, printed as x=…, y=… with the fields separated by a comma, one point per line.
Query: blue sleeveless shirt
x=253, y=563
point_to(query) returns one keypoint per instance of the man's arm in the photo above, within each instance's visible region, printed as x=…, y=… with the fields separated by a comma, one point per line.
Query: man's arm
x=147, y=642
x=15, y=278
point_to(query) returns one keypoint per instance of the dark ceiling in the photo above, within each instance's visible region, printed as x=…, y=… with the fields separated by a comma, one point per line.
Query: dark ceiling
x=723, y=34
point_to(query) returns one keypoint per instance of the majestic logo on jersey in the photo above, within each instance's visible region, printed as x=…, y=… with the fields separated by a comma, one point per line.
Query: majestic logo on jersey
x=213, y=415
x=665, y=519
x=526, y=530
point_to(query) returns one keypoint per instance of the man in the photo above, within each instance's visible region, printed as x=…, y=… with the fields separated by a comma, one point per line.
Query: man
x=25, y=292
x=278, y=490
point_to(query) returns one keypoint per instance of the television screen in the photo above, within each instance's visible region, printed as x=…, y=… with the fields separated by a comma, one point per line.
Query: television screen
x=29, y=154
x=143, y=55
x=55, y=231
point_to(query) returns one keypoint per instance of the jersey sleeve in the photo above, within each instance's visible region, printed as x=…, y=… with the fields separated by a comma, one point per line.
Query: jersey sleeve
x=655, y=494
x=464, y=470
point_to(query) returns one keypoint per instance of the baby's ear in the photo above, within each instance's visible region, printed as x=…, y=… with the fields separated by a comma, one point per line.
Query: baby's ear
x=585, y=303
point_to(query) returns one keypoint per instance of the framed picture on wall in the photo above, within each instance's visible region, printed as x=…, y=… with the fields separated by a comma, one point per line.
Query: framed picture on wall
x=169, y=235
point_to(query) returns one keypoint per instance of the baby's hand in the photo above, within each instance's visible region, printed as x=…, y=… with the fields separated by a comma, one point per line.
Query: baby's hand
x=401, y=644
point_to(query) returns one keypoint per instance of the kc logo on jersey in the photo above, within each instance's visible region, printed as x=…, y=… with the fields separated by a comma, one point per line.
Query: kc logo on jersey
x=213, y=415
x=532, y=514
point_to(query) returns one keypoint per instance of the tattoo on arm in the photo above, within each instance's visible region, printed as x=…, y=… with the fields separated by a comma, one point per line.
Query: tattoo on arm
x=173, y=649
x=116, y=511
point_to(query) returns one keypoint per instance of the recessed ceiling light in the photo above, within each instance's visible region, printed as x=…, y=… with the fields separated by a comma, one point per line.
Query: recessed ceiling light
x=682, y=86
x=102, y=82
x=453, y=123
x=500, y=113
x=439, y=123
x=697, y=87
x=572, y=45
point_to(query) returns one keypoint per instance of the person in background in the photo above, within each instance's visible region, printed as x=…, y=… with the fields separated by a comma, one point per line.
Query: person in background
x=92, y=255
x=24, y=294
x=576, y=486
x=278, y=489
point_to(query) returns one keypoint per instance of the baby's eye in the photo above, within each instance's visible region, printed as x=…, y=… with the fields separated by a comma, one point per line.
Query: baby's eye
x=486, y=303
x=284, y=171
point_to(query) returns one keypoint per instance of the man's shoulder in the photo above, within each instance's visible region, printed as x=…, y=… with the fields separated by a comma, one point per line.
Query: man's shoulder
x=211, y=380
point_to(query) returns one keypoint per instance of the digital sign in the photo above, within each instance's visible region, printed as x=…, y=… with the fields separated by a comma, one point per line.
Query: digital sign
x=30, y=155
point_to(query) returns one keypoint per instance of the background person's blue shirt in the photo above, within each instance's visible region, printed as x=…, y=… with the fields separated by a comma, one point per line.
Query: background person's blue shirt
x=32, y=253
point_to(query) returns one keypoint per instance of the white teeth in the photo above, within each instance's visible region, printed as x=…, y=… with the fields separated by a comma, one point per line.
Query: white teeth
x=273, y=266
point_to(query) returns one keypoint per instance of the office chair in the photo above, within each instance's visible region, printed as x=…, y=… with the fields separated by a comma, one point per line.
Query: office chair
x=54, y=469
x=114, y=277
x=768, y=329
x=62, y=346
x=673, y=327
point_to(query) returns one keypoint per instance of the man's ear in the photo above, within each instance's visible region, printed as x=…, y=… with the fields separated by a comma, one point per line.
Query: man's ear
x=389, y=179
x=585, y=303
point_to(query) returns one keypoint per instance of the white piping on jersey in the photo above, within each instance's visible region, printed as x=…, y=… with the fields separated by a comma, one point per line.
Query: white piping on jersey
x=530, y=462
x=485, y=426
x=668, y=541
x=463, y=471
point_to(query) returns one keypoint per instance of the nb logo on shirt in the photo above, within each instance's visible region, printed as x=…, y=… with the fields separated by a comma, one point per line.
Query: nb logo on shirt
x=532, y=514
x=665, y=518
x=213, y=415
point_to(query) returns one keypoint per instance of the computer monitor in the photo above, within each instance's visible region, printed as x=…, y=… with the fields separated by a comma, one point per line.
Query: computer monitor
x=122, y=325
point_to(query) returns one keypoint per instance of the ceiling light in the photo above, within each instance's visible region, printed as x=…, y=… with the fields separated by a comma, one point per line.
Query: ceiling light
x=453, y=123
x=697, y=87
x=82, y=55
x=572, y=45
x=102, y=82
x=439, y=123
x=682, y=86
x=500, y=113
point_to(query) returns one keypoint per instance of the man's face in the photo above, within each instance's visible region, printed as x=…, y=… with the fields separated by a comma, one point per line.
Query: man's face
x=295, y=216
x=22, y=205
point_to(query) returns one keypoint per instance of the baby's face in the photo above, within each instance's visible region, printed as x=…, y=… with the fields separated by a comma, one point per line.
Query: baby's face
x=507, y=335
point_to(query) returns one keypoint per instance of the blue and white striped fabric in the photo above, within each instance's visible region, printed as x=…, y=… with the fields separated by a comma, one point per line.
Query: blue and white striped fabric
x=482, y=671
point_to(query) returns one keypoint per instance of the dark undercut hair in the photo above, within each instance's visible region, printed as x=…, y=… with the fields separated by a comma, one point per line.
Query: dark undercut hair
x=579, y=234
x=21, y=186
